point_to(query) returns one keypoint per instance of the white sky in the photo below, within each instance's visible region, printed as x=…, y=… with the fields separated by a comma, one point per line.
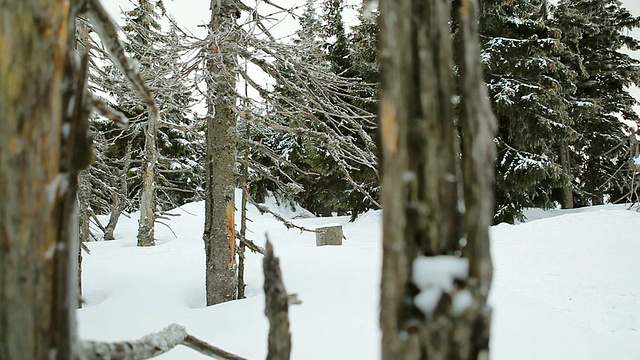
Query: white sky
x=191, y=13
x=634, y=7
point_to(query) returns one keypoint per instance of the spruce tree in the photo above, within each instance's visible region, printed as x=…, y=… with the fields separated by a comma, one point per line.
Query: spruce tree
x=529, y=87
x=597, y=31
x=301, y=165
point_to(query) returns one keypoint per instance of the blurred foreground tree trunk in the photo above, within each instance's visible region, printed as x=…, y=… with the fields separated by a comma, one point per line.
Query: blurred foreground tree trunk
x=438, y=158
x=43, y=145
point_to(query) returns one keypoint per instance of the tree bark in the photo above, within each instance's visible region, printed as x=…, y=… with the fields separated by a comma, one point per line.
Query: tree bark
x=119, y=195
x=276, y=308
x=148, y=197
x=437, y=204
x=43, y=145
x=567, y=188
x=219, y=231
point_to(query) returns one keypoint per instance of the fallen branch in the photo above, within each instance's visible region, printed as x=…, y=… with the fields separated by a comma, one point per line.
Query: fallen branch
x=153, y=345
x=208, y=349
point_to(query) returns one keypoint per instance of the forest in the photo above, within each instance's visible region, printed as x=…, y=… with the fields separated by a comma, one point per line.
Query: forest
x=451, y=116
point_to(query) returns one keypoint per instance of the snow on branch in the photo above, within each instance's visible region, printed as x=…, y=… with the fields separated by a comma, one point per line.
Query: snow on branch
x=153, y=345
x=149, y=346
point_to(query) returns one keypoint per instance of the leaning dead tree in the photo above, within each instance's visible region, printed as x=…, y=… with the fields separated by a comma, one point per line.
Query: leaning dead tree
x=438, y=157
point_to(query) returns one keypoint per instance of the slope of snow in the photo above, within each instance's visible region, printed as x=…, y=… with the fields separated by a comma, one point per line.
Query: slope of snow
x=565, y=287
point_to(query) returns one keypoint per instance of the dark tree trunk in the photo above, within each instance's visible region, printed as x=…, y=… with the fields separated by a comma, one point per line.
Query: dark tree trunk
x=43, y=145
x=219, y=230
x=567, y=188
x=276, y=308
x=437, y=204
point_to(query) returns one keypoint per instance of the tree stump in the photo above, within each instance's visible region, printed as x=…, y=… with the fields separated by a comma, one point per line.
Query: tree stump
x=329, y=235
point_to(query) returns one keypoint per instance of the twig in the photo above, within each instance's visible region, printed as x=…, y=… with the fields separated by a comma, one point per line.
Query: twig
x=208, y=349
x=250, y=244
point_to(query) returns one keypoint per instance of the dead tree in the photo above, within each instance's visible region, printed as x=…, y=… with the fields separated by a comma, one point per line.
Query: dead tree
x=220, y=160
x=321, y=100
x=276, y=308
x=438, y=158
x=43, y=146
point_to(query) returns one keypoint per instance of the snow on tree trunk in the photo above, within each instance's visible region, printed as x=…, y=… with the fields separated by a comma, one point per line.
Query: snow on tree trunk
x=220, y=160
x=147, y=197
x=43, y=145
x=437, y=204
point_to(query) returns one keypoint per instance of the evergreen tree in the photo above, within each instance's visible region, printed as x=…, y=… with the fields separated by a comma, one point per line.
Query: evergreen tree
x=363, y=45
x=530, y=90
x=335, y=37
x=316, y=178
x=179, y=137
x=597, y=31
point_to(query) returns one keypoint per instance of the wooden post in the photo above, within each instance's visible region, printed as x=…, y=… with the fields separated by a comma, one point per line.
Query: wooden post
x=329, y=235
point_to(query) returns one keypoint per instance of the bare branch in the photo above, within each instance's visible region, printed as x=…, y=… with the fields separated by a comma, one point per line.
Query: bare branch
x=106, y=29
x=153, y=345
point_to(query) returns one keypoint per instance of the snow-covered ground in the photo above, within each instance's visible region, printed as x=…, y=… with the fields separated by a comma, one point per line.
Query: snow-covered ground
x=566, y=286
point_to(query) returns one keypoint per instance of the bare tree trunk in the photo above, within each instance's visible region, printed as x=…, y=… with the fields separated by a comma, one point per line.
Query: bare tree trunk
x=84, y=185
x=119, y=198
x=219, y=230
x=84, y=230
x=43, y=145
x=148, y=191
x=84, y=215
x=567, y=188
x=437, y=204
x=243, y=228
x=276, y=308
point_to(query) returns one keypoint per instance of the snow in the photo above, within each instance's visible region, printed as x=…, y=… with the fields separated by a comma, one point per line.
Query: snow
x=462, y=300
x=439, y=271
x=435, y=274
x=565, y=286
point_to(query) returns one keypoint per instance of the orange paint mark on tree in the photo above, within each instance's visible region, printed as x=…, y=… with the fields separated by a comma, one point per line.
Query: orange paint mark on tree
x=231, y=233
x=389, y=125
x=464, y=9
